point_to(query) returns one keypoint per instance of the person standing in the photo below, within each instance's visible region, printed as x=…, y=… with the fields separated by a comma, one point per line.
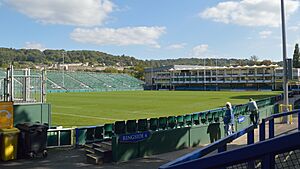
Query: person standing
x=252, y=107
x=228, y=120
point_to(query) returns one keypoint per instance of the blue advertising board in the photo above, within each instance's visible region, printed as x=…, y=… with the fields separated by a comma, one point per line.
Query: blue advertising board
x=241, y=119
x=133, y=138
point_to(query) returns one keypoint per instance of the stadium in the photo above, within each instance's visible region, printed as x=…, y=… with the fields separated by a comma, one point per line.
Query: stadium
x=214, y=78
x=97, y=110
x=112, y=84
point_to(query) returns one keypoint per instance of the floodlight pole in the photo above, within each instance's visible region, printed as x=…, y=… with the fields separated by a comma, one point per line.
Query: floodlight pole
x=63, y=82
x=285, y=80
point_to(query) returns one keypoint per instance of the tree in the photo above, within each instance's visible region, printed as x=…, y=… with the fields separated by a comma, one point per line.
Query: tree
x=253, y=59
x=111, y=70
x=266, y=62
x=296, y=57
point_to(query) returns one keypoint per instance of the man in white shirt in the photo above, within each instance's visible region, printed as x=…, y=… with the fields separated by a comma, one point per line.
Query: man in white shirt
x=252, y=107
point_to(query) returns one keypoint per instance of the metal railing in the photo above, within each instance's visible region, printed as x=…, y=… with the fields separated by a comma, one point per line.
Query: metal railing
x=239, y=158
x=264, y=154
x=220, y=145
x=271, y=120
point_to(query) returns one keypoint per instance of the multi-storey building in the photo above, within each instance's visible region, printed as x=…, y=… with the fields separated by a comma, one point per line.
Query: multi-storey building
x=188, y=77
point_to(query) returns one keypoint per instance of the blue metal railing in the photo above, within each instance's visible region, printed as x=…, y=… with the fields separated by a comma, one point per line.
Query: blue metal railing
x=270, y=119
x=264, y=150
x=220, y=145
x=258, y=151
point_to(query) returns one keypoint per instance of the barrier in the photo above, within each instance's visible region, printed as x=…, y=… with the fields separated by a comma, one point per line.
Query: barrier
x=285, y=108
x=259, y=155
x=63, y=137
x=39, y=112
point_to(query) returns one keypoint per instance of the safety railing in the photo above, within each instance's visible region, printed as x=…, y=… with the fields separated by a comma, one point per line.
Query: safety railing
x=271, y=120
x=264, y=154
x=220, y=145
x=258, y=154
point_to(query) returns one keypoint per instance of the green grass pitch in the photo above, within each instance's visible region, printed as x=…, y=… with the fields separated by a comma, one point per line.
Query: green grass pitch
x=85, y=109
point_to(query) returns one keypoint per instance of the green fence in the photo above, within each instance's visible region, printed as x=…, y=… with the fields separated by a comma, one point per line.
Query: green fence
x=32, y=113
x=60, y=137
x=167, y=140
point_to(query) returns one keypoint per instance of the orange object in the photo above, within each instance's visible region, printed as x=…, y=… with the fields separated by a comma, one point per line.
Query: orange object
x=6, y=115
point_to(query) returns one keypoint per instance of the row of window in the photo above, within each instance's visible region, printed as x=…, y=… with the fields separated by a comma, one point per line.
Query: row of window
x=223, y=72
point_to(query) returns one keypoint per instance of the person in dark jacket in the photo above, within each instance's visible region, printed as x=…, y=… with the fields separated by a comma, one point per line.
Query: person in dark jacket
x=228, y=120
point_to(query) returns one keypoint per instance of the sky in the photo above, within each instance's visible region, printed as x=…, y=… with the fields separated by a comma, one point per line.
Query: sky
x=152, y=29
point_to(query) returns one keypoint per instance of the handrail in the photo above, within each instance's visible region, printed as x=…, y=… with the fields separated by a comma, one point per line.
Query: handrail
x=281, y=115
x=220, y=145
x=244, y=154
x=262, y=125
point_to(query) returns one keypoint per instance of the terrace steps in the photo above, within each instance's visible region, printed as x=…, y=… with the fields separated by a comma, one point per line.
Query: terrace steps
x=99, y=153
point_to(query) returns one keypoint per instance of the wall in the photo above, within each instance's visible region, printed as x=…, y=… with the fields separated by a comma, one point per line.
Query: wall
x=175, y=139
x=32, y=113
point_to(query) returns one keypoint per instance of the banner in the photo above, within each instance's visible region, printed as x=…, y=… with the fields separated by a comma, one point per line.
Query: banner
x=133, y=138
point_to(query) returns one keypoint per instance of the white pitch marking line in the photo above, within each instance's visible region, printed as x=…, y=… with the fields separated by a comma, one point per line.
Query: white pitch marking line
x=90, y=117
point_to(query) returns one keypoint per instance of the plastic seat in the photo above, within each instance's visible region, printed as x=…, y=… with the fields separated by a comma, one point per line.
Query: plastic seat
x=99, y=133
x=153, y=124
x=162, y=123
x=180, y=121
x=171, y=122
x=215, y=114
x=188, y=119
x=203, y=117
x=131, y=126
x=90, y=132
x=142, y=125
x=120, y=127
x=195, y=118
x=210, y=116
x=108, y=130
x=222, y=112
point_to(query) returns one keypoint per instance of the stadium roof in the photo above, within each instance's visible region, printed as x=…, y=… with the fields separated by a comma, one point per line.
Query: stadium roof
x=197, y=67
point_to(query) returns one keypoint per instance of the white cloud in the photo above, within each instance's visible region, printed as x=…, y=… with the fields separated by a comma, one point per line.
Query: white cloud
x=121, y=36
x=176, y=46
x=250, y=12
x=199, y=51
x=265, y=34
x=34, y=45
x=70, y=12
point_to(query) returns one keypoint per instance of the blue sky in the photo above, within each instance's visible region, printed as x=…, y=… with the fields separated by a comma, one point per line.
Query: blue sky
x=152, y=29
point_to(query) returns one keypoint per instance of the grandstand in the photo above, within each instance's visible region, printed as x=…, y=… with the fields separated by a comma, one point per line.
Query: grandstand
x=58, y=81
x=192, y=77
